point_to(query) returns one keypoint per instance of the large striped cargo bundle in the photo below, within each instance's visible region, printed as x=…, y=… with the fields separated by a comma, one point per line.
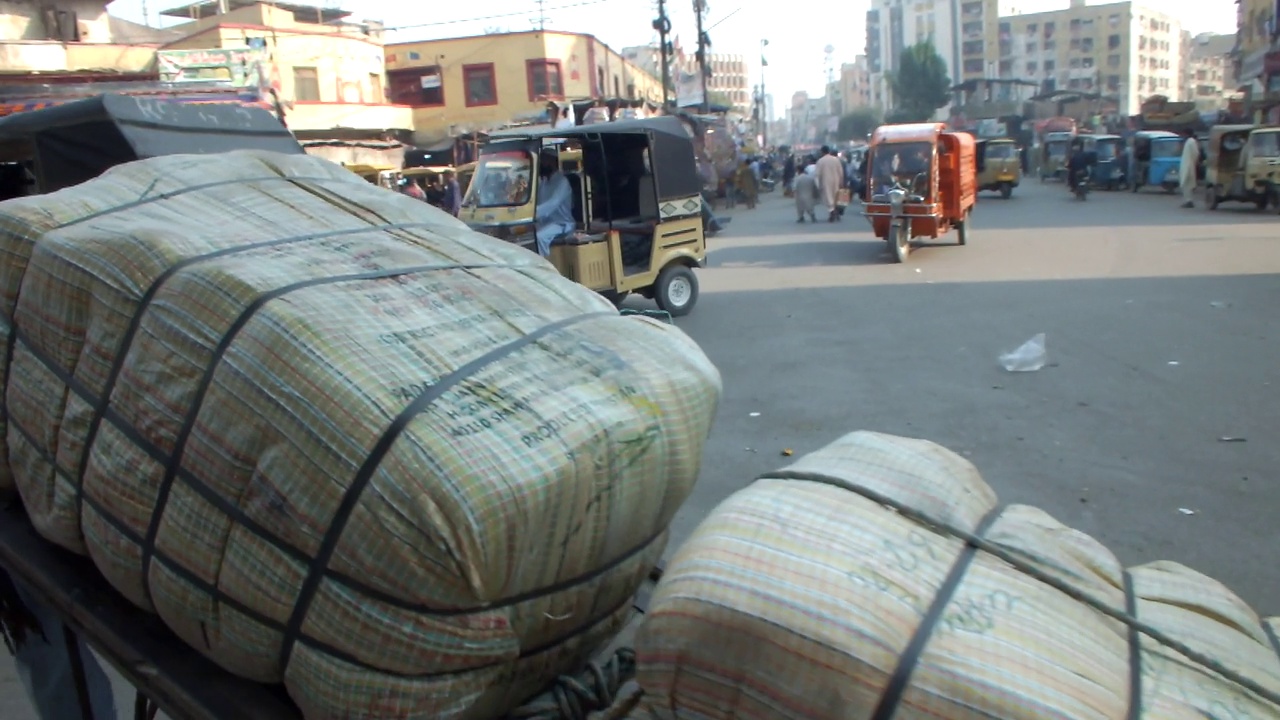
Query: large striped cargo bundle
x=877, y=578
x=333, y=437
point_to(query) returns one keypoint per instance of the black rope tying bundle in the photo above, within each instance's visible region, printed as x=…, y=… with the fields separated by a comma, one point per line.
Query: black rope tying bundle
x=1019, y=562
x=574, y=697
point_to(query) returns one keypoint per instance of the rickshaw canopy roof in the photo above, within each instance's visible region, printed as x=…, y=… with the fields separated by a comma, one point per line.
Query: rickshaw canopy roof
x=1155, y=135
x=671, y=153
x=910, y=132
x=1217, y=131
x=80, y=140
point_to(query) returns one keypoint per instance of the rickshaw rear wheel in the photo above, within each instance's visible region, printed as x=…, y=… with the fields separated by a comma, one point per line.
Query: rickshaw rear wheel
x=1211, y=199
x=676, y=290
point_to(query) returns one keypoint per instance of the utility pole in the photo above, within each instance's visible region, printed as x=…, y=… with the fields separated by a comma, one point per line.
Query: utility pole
x=542, y=15
x=663, y=26
x=764, y=98
x=699, y=8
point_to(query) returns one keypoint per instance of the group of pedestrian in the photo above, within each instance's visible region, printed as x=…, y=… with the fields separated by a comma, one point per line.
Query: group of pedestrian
x=442, y=191
x=817, y=178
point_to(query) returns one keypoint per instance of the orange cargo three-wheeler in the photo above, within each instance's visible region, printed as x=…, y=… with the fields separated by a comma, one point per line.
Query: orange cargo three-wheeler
x=922, y=182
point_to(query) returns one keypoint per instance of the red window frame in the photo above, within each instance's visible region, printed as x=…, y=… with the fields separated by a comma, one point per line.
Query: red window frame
x=395, y=84
x=487, y=68
x=542, y=65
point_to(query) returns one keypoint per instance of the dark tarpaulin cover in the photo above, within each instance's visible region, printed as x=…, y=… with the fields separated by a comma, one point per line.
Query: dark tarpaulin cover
x=80, y=140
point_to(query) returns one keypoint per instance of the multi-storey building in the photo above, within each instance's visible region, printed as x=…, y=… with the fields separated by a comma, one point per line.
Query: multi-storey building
x=727, y=77
x=1210, y=72
x=852, y=90
x=1258, y=58
x=964, y=33
x=474, y=83
x=1121, y=50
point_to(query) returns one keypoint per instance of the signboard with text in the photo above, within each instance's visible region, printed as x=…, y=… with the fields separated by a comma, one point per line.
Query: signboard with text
x=245, y=67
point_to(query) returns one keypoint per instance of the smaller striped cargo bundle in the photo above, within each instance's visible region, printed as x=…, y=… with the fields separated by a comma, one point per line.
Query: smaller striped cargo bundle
x=333, y=437
x=876, y=578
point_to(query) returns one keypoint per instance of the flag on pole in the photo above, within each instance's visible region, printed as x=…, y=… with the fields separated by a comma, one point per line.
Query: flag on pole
x=763, y=62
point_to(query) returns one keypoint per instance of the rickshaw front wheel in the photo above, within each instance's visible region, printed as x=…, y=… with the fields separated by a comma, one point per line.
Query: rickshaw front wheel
x=1006, y=190
x=900, y=240
x=676, y=290
x=962, y=229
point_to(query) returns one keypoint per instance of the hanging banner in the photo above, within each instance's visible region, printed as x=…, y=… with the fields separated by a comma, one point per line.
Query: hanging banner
x=688, y=89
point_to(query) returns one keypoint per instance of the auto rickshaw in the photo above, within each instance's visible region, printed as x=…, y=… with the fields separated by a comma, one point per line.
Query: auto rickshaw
x=923, y=182
x=1053, y=155
x=999, y=165
x=1157, y=157
x=382, y=176
x=501, y=193
x=1110, y=171
x=1243, y=165
x=637, y=206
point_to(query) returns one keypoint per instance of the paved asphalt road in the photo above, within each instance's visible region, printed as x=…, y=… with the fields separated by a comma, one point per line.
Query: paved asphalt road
x=1162, y=335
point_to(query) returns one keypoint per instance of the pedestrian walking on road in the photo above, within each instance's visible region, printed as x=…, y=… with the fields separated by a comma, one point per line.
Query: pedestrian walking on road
x=745, y=180
x=1187, y=170
x=806, y=192
x=830, y=180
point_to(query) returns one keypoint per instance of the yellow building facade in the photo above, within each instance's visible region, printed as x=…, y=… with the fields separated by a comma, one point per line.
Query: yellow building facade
x=465, y=84
x=328, y=73
x=73, y=36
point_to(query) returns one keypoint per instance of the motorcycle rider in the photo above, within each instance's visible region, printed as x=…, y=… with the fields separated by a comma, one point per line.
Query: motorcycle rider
x=1079, y=164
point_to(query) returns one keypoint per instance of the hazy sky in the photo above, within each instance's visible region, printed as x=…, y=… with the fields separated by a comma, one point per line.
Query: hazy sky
x=796, y=39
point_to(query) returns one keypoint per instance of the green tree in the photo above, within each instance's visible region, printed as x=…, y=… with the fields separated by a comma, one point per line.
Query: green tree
x=715, y=97
x=858, y=124
x=920, y=85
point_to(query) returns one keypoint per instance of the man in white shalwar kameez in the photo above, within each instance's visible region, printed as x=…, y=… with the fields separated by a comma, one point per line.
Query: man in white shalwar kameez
x=1187, y=170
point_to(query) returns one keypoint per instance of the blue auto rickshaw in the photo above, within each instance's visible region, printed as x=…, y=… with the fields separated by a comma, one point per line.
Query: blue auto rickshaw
x=1111, y=169
x=1157, y=159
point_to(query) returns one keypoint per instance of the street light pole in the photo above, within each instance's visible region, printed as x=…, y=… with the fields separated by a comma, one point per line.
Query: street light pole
x=700, y=7
x=764, y=98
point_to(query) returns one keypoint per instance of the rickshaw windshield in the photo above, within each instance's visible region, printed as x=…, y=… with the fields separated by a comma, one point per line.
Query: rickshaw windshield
x=1265, y=145
x=1106, y=150
x=501, y=179
x=1000, y=151
x=1056, y=148
x=1168, y=148
x=901, y=163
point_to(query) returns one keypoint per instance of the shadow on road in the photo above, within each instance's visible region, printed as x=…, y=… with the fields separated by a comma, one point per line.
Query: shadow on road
x=805, y=253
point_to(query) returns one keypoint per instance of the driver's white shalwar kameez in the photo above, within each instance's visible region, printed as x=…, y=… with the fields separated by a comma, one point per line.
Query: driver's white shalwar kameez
x=1187, y=170
x=554, y=214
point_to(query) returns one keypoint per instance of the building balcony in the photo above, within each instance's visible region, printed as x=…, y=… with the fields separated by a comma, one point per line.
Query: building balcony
x=33, y=56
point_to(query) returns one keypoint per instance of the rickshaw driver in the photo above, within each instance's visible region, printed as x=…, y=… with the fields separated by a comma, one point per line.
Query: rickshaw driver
x=554, y=213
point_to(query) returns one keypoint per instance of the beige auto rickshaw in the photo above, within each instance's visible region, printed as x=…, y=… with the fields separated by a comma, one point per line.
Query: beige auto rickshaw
x=637, y=205
x=1243, y=165
x=999, y=166
x=382, y=176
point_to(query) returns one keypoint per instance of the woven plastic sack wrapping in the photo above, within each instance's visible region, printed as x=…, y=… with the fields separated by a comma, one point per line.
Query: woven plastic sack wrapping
x=440, y=466
x=800, y=596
